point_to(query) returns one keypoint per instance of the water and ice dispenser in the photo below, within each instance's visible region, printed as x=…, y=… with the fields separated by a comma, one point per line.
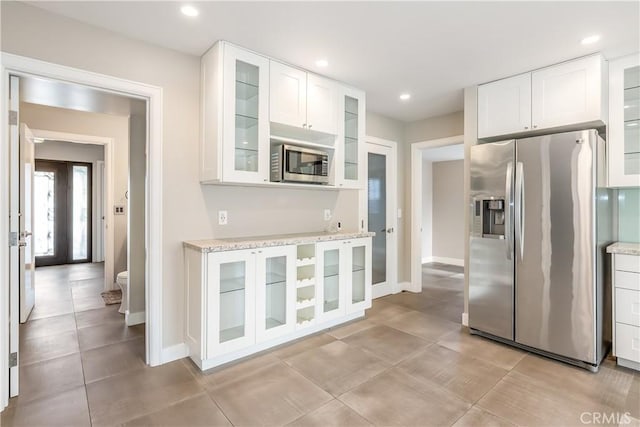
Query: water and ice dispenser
x=488, y=218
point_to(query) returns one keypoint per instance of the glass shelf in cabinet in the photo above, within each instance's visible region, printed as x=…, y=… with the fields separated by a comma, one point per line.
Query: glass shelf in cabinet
x=246, y=91
x=632, y=77
x=632, y=136
x=331, y=270
x=351, y=105
x=247, y=73
x=232, y=284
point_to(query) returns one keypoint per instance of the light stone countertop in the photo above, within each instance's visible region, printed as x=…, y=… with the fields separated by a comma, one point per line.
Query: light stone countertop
x=624, y=248
x=219, y=245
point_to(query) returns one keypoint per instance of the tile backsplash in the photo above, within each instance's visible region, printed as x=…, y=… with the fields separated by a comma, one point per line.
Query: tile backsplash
x=629, y=215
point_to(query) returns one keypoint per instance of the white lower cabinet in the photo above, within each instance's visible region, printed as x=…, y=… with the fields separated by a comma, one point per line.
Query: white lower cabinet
x=275, y=292
x=344, y=277
x=626, y=310
x=243, y=301
x=230, y=301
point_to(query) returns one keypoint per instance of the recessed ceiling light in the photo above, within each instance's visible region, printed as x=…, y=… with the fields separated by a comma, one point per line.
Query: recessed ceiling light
x=632, y=124
x=189, y=11
x=322, y=63
x=627, y=106
x=591, y=39
x=38, y=140
x=405, y=96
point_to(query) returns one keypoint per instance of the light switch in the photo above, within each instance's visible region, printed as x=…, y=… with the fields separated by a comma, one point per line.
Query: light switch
x=327, y=214
x=118, y=209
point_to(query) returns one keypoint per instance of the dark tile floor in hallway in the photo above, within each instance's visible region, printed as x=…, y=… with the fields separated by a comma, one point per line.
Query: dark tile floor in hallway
x=407, y=363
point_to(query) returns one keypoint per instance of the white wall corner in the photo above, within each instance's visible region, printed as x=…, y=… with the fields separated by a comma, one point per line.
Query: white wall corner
x=175, y=352
x=136, y=318
x=465, y=319
x=408, y=286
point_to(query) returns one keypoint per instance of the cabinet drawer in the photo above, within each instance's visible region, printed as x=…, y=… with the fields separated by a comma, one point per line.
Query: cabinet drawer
x=628, y=307
x=626, y=280
x=628, y=342
x=628, y=263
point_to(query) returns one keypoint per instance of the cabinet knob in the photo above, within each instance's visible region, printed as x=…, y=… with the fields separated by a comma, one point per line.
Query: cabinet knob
x=526, y=127
x=309, y=126
x=535, y=126
x=304, y=125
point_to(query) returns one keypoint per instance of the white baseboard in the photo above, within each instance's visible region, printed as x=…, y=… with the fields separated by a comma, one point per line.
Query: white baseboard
x=444, y=260
x=175, y=352
x=134, y=318
x=465, y=319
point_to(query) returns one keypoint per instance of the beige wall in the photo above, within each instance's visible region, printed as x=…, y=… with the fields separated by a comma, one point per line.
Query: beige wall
x=104, y=125
x=136, y=213
x=190, y=209
x=448, y=209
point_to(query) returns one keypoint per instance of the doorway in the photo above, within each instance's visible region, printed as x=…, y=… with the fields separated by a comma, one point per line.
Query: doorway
x=420, y=224
x=381, y=218
x=63, y=212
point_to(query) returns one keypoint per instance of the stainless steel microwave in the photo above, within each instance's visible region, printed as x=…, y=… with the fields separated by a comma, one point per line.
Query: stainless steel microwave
x=290, y=163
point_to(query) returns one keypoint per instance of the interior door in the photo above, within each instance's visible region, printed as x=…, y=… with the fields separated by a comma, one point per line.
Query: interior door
x=381, y=217
x=27, y=256
x=17, y=245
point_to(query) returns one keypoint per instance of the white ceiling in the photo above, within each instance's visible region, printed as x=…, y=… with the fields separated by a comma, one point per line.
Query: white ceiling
x=442, y=154
x=430, y=49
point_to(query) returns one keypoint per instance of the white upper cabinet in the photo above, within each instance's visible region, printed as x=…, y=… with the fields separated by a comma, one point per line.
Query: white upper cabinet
x=321, y=104
x=349, y=157
x=302, y=100
x=504, y=106
x=250, y=103
x=288, y=90
x=235, y=133
x=571, y=92
x=562, y=97
x=624, y=122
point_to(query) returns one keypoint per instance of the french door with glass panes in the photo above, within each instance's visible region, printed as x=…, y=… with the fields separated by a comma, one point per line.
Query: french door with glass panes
x=62, y=212
x=246, y=116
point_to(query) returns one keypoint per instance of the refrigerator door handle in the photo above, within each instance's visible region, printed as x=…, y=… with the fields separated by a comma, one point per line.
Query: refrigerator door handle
x=519, y=208
x=508, y=209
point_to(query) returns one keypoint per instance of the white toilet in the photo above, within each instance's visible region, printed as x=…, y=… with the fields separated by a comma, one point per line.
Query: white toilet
x=121, y=280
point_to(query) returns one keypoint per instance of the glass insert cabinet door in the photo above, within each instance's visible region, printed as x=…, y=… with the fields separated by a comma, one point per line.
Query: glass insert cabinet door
x=352, y=135
x=231, y=294
x=623, y=142
x=359, y=258
x=246, y=121
x=329, y=265
x=275, y=291
x=631, y=113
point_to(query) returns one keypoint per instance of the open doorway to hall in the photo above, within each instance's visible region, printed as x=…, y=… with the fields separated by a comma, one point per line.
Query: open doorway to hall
x=83, y=159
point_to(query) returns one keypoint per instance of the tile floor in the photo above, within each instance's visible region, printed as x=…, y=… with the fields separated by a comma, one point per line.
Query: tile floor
x=408, y=363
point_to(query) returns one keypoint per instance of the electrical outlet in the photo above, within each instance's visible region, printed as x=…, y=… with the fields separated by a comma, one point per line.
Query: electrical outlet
x=327, y=214
x=222, y=218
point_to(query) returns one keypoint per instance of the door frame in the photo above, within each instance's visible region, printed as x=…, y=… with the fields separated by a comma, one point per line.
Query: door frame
x=391, y=286
x=416, y=204
x=107, y=143
x=11, y=64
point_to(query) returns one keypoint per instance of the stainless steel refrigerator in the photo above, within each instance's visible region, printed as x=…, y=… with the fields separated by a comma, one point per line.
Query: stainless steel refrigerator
x=541, y=219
